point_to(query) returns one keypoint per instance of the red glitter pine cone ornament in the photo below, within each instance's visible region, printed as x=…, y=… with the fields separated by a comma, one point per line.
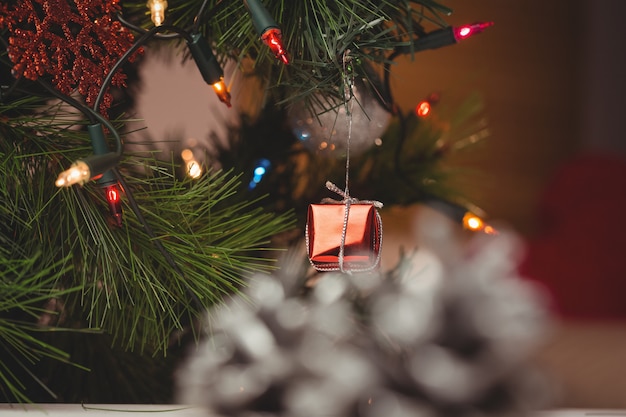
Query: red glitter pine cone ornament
x=76, y=42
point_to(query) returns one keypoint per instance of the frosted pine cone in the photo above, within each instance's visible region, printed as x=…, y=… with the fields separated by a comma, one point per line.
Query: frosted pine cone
x=370, y=345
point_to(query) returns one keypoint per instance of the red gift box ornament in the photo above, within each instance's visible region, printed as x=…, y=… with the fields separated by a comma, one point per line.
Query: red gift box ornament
x=344, y=235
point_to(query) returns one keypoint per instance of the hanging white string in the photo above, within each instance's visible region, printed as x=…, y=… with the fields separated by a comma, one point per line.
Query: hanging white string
x=347, y=200
x=348, y=97
x=348, y=102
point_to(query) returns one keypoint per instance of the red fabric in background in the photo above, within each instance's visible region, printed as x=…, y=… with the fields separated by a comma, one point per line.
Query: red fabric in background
x=579, y=255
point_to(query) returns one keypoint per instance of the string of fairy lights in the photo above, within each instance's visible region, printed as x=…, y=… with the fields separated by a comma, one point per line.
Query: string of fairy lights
x=210, y=69
x=101, y=165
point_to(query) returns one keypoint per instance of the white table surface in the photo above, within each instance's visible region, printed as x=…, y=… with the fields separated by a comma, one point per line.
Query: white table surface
x=86, y=410
x=120, y=410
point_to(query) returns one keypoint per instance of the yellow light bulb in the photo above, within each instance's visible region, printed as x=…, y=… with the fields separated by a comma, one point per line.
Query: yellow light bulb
x=194, y=169
x=78, y=173
x=157, y=11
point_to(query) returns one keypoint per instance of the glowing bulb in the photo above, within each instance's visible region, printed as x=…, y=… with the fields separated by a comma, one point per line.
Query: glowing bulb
x=194, y=170
x=78, y=173
x=465, y=31
x=423, y=109
x=473, y=222
x=490, y=230
x=113, y=197
x=157, y=11
x=187, y=155
x=261, y=168
x=222, y=92
x=272, y=38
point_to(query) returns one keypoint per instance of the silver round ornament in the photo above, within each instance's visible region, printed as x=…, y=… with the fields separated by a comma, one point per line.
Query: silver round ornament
x=325, y=130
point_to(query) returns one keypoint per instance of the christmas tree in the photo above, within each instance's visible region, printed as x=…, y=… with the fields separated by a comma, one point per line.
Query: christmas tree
x=112, y=275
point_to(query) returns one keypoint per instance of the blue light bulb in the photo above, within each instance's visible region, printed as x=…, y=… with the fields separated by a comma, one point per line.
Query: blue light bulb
x=262, y=166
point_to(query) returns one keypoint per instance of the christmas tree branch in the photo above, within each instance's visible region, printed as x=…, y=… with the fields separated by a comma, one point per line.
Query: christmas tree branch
x=127, y=286
x=316, y=34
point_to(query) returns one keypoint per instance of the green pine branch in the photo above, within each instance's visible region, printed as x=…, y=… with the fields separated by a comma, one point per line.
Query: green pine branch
x=129, y=288
x=68, y=266
x=414, y=162
x=126, y=285
x=29, y=291
x=316, y=33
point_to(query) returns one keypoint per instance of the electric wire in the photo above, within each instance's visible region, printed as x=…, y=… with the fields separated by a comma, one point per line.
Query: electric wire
x=395, y=110
x=194, y=28
x=127, y=190
x=89, y=113
x=141, y=41
x=154, y=238
x=196, y=20
x=92, y=115
x=139, y=29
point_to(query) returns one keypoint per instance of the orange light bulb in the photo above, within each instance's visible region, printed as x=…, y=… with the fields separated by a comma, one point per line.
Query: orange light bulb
x=222, y=92
x=473, y=222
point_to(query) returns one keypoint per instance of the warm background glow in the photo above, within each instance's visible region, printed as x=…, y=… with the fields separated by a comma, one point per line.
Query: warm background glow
x=551, y=74
x=530, y=68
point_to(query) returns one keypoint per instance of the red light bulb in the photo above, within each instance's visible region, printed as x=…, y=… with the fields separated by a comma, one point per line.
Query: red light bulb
x=465, y=31
x=423, y=108
x=272, y=38
x=112, y=194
